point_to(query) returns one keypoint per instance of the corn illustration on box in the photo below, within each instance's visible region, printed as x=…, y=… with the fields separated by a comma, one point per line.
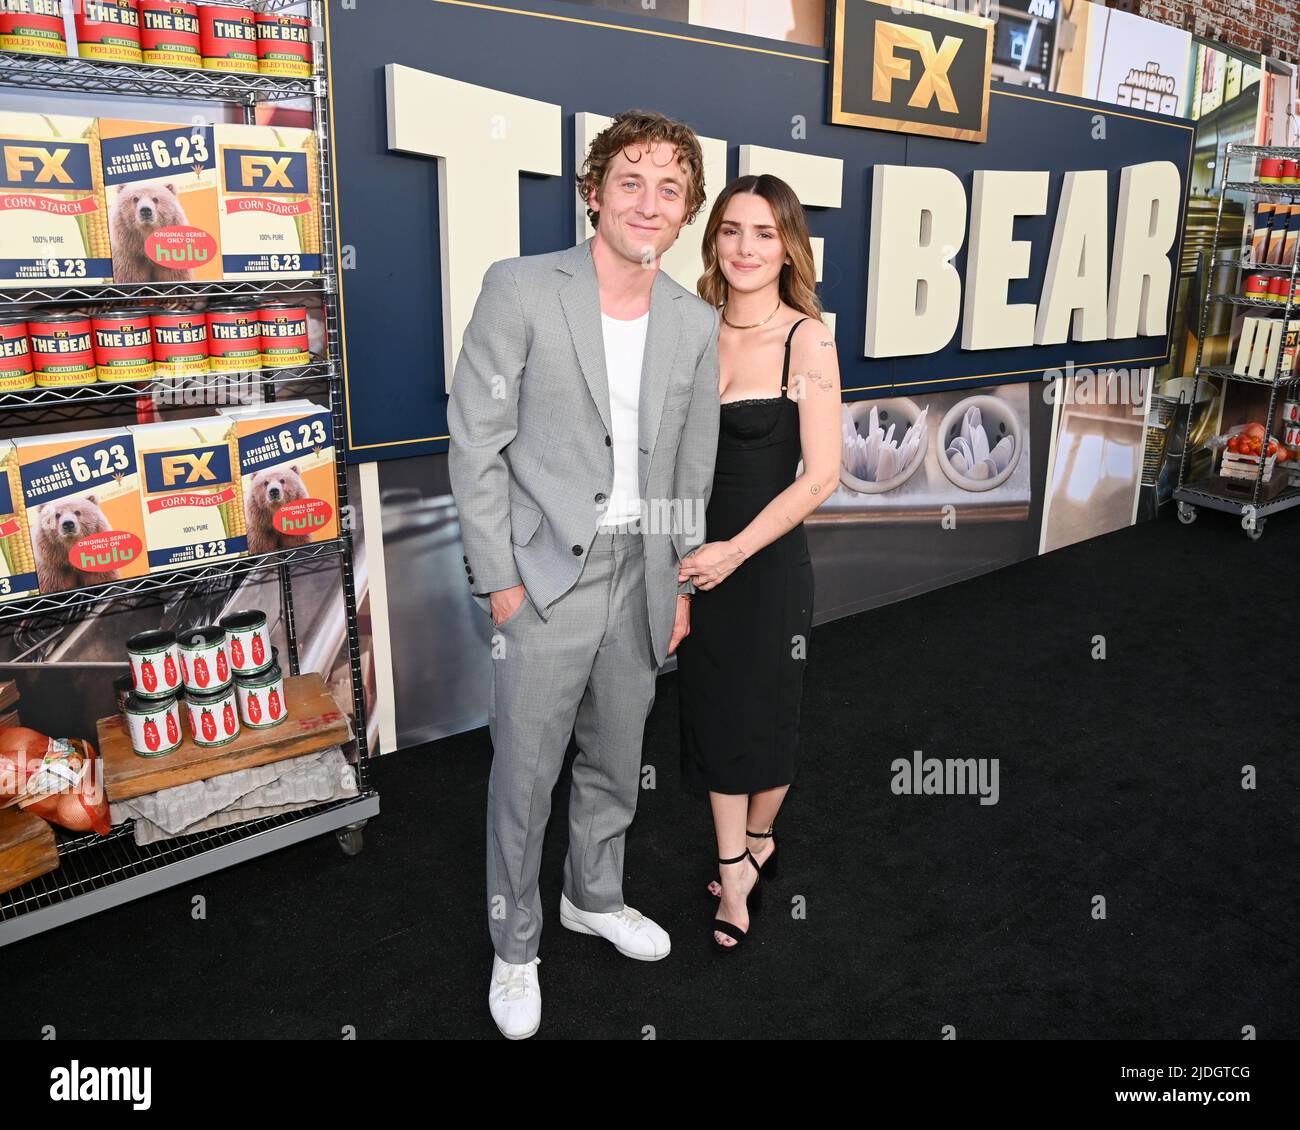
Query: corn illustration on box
x=53, y=212
x=286, y=463
x=193, y=508
x=270, y=202
x=17, y=562
x=160, y=183
x=81, y=493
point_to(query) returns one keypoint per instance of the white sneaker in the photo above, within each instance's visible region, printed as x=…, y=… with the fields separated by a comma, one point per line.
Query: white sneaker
x=515, y=998
x=631, y=933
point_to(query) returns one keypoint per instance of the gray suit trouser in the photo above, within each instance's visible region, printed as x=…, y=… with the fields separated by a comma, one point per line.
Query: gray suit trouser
x=588, y=667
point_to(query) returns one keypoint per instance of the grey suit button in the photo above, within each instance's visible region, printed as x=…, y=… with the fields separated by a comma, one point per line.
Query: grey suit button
x=470, y=579
x=465, y=559
x=608, y=442
x=577, y=551
x=468, y=569
x=600, y=498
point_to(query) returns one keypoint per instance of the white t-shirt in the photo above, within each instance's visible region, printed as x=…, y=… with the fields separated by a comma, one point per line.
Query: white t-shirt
x=624, y=352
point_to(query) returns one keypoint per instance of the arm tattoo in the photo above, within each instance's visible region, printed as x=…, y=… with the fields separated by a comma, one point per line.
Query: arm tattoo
x=823, y=382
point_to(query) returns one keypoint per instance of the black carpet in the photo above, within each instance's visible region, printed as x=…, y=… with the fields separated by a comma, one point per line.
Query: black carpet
x=894, y=916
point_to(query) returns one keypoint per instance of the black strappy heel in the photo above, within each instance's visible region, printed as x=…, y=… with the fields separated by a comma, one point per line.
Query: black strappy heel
x=753, y=903
x=767, y=868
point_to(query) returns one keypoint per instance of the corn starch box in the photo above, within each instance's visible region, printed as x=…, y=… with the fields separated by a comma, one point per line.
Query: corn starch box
x=193, y=509
x=160, y=180
x=286, y=462
x=270, y=202
x=53, y=214
x=17, y=563
x=81, y=492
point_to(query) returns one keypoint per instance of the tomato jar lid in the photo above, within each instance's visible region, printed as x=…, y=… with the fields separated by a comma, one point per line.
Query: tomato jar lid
x=207, y=698
x=264, y=678
x=210, y=635
x=139, y=704
x=158, y=639
x=243, y=620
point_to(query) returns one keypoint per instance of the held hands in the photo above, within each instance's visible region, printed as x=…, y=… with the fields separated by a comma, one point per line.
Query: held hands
x=710, y=564
x=682, y=624
x=506, y=602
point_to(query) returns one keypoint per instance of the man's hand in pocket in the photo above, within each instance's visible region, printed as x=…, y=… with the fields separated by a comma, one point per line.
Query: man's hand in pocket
x=506, y=602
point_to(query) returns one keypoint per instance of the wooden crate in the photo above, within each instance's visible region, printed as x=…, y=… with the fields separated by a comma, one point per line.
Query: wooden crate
x=27, y=848
x=315, y=722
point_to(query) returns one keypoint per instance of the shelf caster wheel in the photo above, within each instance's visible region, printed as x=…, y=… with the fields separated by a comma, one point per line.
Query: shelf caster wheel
x=1187, y=513
x=1255, y=530
x=350, y=839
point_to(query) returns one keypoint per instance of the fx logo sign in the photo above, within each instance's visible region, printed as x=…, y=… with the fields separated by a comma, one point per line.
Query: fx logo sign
x=188, y=469
x=911, y=67
x=266, y=172
x=48, y=165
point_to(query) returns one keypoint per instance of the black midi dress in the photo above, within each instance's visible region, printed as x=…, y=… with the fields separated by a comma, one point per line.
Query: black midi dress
x=741, y=668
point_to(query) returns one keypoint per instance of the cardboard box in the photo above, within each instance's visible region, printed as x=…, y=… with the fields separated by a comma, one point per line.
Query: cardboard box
x=190, y=490
x=286, y=461
x=17, y=562
x=160, y=180
x=270, y=202
x=81, y=491
x=53, y=214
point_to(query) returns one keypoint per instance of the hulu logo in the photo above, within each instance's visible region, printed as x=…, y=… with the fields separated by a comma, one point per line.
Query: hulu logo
x=189, y=254
x=298, y=525
x=95, y=562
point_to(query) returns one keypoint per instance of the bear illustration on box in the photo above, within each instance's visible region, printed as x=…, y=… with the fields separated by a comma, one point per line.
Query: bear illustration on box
x=141, y=210
x=268, y=492
x=62, y=523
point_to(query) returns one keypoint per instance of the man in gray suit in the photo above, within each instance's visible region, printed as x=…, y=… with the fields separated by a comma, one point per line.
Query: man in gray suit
x=584, y=426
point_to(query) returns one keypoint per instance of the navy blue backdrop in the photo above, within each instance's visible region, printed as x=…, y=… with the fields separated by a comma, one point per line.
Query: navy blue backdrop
x=744, y=89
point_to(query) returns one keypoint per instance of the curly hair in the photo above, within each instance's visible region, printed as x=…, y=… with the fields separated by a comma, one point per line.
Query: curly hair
x=798, y=281
x=631, y=129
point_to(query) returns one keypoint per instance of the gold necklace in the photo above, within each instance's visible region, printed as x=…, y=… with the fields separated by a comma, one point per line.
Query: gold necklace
x=756, y=324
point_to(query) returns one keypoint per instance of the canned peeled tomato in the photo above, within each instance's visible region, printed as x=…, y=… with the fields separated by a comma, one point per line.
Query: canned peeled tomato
x=62, y=353
x=15, y=356
x=108, y=30
x=154, y=725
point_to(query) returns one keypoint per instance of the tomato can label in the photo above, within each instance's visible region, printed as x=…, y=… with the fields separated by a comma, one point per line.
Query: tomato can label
x=1291, y=412
x=108, y=30
x=155, y=662
x=34, y=27
x=250, y=642
x=169, y=33
x=213, y=718
x=1257, y=286
x=155, y=725
x=180, y=344
x=234, y=339
x=123, y=345
x=284, y=45
x=205, y=660
x=62, y=353
x=15, y=357
x=284, y=336
x=229, y=38
x=261, y=699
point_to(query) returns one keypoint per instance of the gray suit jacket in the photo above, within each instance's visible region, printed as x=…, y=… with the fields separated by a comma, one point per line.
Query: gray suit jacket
x=531, y=460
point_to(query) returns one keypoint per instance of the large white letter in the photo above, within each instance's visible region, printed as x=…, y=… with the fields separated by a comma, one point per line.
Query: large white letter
x=918, y=223
x=1140, y=271
x=994, y=259
x=482, y=139
x=1076, y=268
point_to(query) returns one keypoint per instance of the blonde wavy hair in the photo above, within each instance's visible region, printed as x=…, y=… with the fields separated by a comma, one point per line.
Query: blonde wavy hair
x=798, y=282
x=630, y=130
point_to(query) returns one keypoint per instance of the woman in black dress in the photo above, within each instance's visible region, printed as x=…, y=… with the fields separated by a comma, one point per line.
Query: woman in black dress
x=740, y=669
